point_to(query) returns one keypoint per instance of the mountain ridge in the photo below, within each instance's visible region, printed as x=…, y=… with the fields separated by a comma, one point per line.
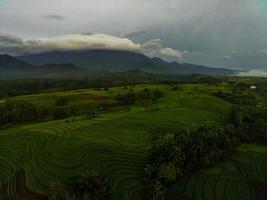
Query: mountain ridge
x=13, y=68
x=113, y=60
x=8, y=62
x=79, y=64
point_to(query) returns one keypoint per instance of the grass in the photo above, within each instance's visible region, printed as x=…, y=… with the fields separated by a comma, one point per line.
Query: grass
x=117, y=144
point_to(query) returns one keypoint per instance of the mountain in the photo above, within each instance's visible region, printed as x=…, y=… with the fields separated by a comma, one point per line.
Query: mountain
x=96, y=59
x=112, y=60
x=13, y=68
x=95, y=63
x=10, y=63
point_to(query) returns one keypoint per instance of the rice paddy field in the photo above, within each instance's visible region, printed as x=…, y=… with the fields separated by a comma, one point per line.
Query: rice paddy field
x=117, y=145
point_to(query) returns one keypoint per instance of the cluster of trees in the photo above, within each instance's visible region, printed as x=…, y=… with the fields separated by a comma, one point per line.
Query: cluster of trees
x=250, y=123
x=249, y=110
x=145, y=97
x=61, y=101
x=89, y=186
x=175, y=155
x=241, y=94
x=237, y=97
x=10, y=88
x=180, y=153
x=15, y=112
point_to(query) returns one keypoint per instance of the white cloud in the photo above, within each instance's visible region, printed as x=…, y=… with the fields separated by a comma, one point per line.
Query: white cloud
x=254, y=73
x=16, y=46
x=152, y=45
x=155, y=46
x=85, y=42
x=171, y=53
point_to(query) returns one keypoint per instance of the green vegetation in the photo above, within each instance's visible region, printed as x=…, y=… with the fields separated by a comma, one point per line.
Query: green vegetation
x=112, y=133
x=243, y=176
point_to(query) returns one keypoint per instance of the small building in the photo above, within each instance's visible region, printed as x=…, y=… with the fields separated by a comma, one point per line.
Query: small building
x=253, y=87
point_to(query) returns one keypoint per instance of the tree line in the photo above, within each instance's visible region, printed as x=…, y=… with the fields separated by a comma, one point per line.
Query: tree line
x=145, y=97
x=16, y=112
x=21, y=111
x=9, y=88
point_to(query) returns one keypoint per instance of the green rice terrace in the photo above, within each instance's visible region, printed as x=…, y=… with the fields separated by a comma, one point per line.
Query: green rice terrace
x=116, y=143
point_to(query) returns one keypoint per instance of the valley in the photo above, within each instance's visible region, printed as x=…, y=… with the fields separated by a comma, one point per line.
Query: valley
x=116, y=143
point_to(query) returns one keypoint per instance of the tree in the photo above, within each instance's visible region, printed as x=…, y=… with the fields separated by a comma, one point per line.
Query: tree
x=91, y=185
x=127, y=99
x=235, y=116
x=61, y=101
x=58, y=191
x=60, y=113
x=17, y=112
x=167, y=172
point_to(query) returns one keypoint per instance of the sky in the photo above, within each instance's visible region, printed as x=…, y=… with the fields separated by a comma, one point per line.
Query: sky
x=218, y=33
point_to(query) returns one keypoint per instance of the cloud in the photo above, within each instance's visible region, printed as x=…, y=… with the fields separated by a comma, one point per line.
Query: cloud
x=10, y=44
x=17, y=46
x=155, y=46
x=263, y=51
x=152, y=45
x=227, y=57
x=132, y=34
x=54, y=17
x=6, y=39
x=171, y=53
x=254, y=73
x=87, y=33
